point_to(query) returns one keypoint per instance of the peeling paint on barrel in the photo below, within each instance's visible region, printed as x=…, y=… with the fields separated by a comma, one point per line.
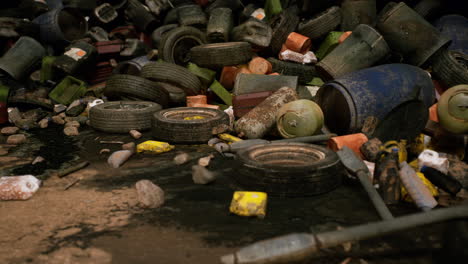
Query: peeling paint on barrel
x=257, y=122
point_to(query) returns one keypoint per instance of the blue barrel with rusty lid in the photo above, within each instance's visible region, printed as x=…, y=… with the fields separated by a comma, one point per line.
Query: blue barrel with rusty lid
x=374, y=92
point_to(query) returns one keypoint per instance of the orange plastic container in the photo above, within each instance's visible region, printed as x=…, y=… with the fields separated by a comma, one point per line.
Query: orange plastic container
x=298, y=43
x=353, y=141
x=259, y=65
x=197, y=99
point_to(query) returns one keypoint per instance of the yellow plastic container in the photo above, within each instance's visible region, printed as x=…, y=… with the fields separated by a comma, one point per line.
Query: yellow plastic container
x=405, y=195
x=401, y=146
x=154, y=147
x=249, y=204
x=229, y=138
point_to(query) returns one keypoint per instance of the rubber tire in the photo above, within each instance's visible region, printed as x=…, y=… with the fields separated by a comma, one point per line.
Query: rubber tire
x=122, y=120
x=174, y=74
x=169, y=42
x=176, y=94
x=282, y=25
x=157, y=34
x=449, y=70
x=305, y=73
x=137, y=87
x=284, y=180
x=189, y=131
x=321, y=24
x=217, y=55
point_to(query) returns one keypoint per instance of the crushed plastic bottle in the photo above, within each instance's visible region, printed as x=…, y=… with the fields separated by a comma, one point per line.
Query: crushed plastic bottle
x=18, y=187
x=430, y=158
x=420, y=194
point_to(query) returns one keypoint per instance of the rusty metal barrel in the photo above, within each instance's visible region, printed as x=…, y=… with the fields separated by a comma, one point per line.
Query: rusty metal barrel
x=261, y=119
x=409, y=34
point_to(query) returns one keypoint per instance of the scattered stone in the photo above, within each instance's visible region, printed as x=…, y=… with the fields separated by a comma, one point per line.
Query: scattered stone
x=44, y=123
x=149, y=194
x=71, y=131
x=76, y=255
x=214, y=141
x=16, y=139
x=135, y=134
x=58, y=120
x=72, y=124
x=205, y=161
x=62, y=115
x=202, y=175
x=59, y=108
x=9, y=130
x=181, y=158
x=129, y=146
x=119, y=157
x=38, y=159
x=104, y=151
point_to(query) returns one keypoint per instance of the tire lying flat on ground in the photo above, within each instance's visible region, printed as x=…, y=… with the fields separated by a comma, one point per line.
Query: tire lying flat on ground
x=451, y=67
x=122, y=116
x=173, y=74
x=123, y=85
x=217, y=55
x=172, y=125
x=289, y=169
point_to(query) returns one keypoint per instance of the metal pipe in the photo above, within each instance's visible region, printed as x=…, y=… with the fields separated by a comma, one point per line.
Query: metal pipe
x=374, y=196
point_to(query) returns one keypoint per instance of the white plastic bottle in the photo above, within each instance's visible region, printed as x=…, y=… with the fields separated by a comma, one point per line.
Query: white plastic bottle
x=419, y=192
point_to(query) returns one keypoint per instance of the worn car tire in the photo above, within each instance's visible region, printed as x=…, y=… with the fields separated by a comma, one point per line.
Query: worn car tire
x=175, y=45
x=157, y=34
x=289, y=169
x=169, y=124
x=176, y=94
x=322, y=23
x=305, y=73
x=217, y=55
x=451, y=67
x=282, y=25
x=136, y=87
x=174, y=74
x=122, y=116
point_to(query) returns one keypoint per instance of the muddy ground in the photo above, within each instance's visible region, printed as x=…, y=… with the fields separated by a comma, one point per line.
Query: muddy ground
x=97, y=220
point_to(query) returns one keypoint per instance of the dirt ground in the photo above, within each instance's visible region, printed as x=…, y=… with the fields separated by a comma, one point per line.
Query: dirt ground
x=97, y=220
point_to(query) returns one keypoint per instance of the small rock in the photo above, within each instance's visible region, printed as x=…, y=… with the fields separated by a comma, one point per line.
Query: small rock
x=149, y=194
x=72, y=124
x=44, y=123
x=135, y=134
x=71, y=131
x=205, y=161
x=9, y=130
x=59, y=108
x=38, y=159
x=58, y=120
x=119, y=157
x=129, y=146
x=62, y=115
x=181, y=158
x=104, y=151
x=16, y=139
x=214, y=141
x=202, y=175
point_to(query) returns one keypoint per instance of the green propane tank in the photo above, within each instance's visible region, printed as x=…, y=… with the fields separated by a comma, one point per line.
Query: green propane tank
x=299, y=118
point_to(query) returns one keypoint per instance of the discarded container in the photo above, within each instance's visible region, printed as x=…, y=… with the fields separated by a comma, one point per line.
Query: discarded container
x=362, y=49
x=349, y=100
x=242, y=104
x=353, y=141
x=299, y=118
x=251, y=83
x=257, y=122
x=298, y=43
x=452, y=109
x=388, y=178
x=154, y=147
x=445, y=182
x=18, y=187
x=371, y=150
x=140, y=16
x=355, y=12
x=400, y=146
x=76, y=58
x=430, y=158
x=21, y=59
x=249, y=204
x=61, y=26
x=330, y=42
x=411, y=35
x=68, y=90
x=219, y=25
x=254, y=31
x=259, y=65
x=454, y=27
x=416, y=188
x=196, y=99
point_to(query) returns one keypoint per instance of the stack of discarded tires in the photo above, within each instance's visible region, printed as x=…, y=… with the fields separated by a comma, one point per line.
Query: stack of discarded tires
x=256, y=69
